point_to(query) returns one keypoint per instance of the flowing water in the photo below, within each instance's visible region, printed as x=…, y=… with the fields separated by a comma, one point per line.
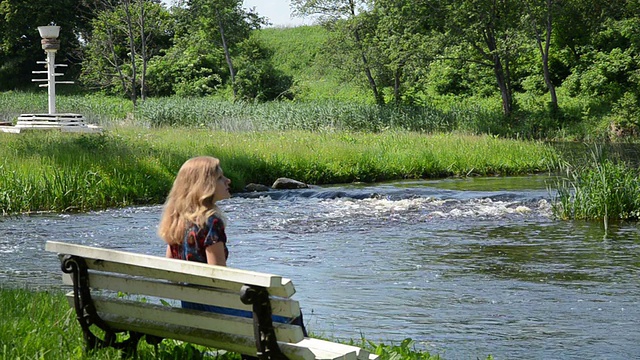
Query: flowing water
x=465, y=267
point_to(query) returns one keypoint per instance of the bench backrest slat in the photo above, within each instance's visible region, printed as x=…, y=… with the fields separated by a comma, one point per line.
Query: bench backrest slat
x=176, y=291
x=172, y=269
x=232, y=325
x=133, y=270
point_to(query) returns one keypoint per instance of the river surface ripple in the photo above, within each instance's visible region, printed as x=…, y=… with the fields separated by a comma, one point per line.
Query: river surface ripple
x=465, y=267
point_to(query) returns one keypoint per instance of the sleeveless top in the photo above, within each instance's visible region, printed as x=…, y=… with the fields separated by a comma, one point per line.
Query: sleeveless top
x=197, y=239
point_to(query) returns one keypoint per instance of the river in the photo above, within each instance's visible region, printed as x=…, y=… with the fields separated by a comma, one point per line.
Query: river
x=464, y=267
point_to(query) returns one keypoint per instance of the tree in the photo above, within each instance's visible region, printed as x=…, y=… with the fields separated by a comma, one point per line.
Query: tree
x=404, y=33
x=607, y=69
x=344, y=14
x=227, y=25
x=539, y=19
x=580, y=20
x=128, y=20
x=121, y=42
x=192, y=66
x=489, y=28
x=257, y=78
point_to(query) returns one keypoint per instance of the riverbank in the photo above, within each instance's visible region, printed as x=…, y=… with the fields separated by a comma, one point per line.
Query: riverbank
x=132, y=165
x=40, y=324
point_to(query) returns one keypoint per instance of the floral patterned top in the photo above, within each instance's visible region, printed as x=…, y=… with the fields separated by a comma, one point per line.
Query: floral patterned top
x=197, y=239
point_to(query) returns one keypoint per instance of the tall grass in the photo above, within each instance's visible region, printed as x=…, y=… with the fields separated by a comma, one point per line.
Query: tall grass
x=52, y=171
x=604, y=189
x=435, y=114
x=313, y=116
x=222, y=115
x=40, y=325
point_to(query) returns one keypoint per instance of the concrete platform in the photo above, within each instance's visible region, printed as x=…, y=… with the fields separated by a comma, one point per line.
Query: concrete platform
x=60, y=122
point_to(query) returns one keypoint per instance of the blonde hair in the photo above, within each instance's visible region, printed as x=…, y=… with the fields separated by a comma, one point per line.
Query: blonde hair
x=190, y=200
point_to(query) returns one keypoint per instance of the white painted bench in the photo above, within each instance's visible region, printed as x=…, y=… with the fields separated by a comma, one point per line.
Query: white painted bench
x=154, y=287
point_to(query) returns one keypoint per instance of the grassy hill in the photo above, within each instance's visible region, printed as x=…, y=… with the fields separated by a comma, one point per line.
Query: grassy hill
x=299, y=52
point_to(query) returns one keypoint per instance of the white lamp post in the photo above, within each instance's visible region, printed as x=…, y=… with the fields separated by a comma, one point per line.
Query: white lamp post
x=50, y=44
x=63, y=122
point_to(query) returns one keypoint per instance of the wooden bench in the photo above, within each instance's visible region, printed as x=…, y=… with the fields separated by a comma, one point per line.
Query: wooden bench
x=154, y=287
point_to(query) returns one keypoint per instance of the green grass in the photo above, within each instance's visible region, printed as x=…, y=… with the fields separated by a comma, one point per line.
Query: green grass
x=604, y=189
x=41, y=325
x=53, y=171
x=299, y=52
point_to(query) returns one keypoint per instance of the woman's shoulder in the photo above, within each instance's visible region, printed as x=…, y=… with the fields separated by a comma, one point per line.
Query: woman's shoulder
x=215, y=220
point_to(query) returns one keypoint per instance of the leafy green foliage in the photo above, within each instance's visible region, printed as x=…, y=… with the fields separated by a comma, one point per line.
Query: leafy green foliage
x=625, y=116
x=432, y=55
x=603, y=190
x=257, y=78
x=403, y=351
x=114, y=55
x=187, y=70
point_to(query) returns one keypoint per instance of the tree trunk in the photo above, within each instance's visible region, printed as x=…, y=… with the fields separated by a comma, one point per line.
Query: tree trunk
x=502, y=76
x=545, y=60
x=367, y=70
x=143, y=53
x=396, y=85
x=365, y=62
x=115, y=63
x=507, y=100
x=132, y=51
x=544, y=51
x=227, y=54
x=547, y=80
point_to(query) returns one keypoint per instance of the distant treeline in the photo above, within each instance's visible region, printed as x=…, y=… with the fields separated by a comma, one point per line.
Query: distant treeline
x=565, y=62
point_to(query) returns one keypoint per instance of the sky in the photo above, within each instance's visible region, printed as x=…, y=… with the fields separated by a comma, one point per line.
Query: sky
x=277, y=11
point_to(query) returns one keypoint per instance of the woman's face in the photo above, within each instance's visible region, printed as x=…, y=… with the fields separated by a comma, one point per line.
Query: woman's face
x=222, y=188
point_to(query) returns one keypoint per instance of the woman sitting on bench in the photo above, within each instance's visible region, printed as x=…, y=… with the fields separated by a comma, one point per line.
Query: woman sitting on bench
x=192, y=225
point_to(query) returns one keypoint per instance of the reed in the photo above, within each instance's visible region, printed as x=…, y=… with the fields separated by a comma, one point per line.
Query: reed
x=318, y=112
x=604, y=189
x=223, y=115
x=41, y=325
x=313, y=116
x=52, y=171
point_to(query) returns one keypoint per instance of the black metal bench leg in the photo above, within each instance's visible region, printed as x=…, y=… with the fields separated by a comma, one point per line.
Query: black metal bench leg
x=86, y=312
x=266, y=342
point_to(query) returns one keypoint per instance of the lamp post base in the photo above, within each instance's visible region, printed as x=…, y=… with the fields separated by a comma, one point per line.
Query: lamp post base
x=61, y=122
